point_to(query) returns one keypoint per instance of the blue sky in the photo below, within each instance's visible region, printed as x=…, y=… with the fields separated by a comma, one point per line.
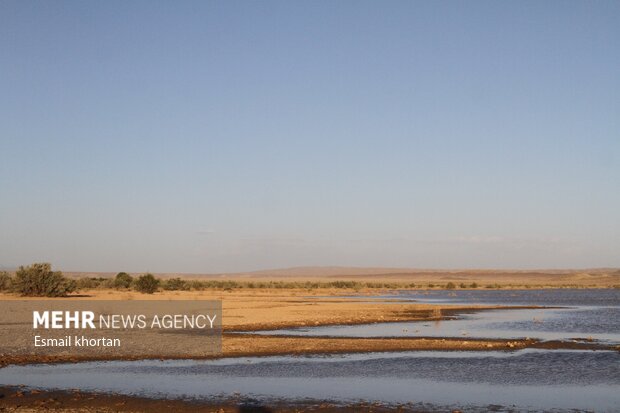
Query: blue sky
x=233, y=136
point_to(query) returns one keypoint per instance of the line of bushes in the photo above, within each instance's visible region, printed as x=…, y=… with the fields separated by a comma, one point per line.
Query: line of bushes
x=39, y=280
x=148, y=284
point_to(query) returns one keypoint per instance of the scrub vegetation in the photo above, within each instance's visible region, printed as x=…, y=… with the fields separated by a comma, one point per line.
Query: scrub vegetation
x=38, y=280
x=147, y=284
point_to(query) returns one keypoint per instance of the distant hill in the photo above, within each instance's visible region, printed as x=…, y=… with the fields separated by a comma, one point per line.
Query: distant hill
x=392, y=271
x=602, y=277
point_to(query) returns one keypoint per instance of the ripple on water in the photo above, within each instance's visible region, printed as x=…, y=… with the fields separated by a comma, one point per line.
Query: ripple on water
x=536, y=379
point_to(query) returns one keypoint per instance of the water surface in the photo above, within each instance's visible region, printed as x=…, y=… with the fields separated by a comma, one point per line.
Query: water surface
x=519, y=381
x=526, y=380
x=585, y=314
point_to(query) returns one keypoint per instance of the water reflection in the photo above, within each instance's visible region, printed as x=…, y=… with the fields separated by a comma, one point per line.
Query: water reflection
x=545, y=324
x=529, y=379
x=586, y=314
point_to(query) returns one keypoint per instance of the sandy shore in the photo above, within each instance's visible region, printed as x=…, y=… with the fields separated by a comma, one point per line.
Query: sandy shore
x=245, y=311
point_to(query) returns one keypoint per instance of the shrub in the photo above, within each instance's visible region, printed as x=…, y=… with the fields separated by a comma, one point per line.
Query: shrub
x=38, y=280
x=345, y=284
x=175, y=284
x=463, y=285
x=147, y=284
x=450, y=286
x=107, y=284
x=90, y=283
x=123, y=280
x=87, y=283
x=5, y=281
x=195, y=285
x=473, y=285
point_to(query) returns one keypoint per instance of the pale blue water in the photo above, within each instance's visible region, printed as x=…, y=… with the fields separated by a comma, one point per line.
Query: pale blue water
x=529, y=380
x=586, y=314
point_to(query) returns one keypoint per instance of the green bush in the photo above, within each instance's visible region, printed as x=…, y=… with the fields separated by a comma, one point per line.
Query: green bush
x=123, y=280
x=90, y=283
x=450, y=286
x=5, y=281
x=38, y=280
x=175, y=284
x=87, y=283
x=345, y=284
x=473, y=285
x=147, y=284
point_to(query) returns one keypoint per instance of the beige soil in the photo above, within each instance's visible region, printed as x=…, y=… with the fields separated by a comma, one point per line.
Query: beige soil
x=248, y=311
x=581, y=278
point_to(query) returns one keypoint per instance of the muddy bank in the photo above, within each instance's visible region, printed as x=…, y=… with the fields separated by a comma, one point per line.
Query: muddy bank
x=244, y=313
x=19, y=399
x=248, y=345
x=385, y=313
x=267, y=310
x=247, y=313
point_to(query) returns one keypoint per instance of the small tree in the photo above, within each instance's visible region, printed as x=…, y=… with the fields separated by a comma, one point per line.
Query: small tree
x=175, y=284
x=86, y=283
x=450, y=286
x=147, y=284
x=39, y=280
x=123, y=280
x=5, y=281
x=90, y=283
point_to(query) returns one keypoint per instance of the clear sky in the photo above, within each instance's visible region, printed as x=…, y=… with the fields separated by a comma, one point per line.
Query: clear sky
x=210, y=136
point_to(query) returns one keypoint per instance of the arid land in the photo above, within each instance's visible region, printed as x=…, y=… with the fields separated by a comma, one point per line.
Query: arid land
x=421, y=278
x=250, y=309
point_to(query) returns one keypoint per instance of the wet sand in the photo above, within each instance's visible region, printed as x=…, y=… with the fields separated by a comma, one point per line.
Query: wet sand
x=245, y=311
x=17, y=399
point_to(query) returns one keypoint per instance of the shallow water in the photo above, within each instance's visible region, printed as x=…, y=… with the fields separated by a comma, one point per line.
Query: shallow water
x=586, y=314
x=519, y=381
x=545, y=324
x=526, y=380
x=547, y=297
